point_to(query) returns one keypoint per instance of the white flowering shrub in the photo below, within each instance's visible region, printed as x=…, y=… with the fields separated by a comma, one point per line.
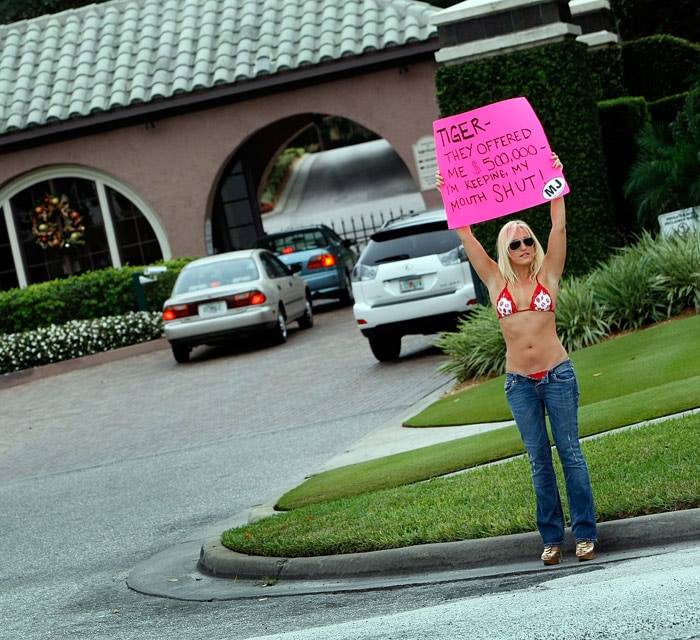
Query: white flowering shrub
x=77, y=338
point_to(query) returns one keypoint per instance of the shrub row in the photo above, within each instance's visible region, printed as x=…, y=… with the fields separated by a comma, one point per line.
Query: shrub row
x=593, y=105
x=642, y=284
x=279, y=175
x=77, y=338
x=94, y=294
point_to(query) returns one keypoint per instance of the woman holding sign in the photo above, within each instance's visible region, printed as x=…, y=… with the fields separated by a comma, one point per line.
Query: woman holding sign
x=523, y=286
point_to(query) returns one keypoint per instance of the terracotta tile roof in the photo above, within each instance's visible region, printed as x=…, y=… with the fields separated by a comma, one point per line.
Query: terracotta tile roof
x=127, y=52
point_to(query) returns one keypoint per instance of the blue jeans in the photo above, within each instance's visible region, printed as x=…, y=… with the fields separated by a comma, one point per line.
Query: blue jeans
x=557, y=393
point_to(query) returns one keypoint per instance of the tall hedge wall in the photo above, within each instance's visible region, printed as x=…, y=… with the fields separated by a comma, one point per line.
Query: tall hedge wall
x=556, y=80
x=621, y=120
x=659, y=66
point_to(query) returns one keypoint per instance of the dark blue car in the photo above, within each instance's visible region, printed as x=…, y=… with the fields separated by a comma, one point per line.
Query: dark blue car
x=326, y=259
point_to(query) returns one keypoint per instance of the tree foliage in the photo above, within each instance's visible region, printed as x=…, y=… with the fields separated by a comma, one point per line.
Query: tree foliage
x=15, y=10
x=639, y=18
x=666, y=175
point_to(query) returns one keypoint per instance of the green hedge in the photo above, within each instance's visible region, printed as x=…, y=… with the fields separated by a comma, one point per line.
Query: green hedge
x=593, y=105
x=646, y=79
x=639, y=18
x=621, y=120
x=279, y=174
x=666, y=110
x=649, y=281
x=556, y=80
x=607, y=73
x=92, y=295
x=652, y=67
x=659, y=66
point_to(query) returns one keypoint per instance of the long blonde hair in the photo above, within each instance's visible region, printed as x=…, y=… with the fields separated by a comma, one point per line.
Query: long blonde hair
x=505, y=237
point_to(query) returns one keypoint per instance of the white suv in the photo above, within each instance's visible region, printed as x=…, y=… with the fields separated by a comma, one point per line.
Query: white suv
x=413, y=277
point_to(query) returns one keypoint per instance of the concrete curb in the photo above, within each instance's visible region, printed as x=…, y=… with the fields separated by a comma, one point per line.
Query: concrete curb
x=632, y=534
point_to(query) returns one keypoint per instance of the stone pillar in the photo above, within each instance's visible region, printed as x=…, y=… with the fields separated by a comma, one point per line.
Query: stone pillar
x=478, y=29
x=596, y=21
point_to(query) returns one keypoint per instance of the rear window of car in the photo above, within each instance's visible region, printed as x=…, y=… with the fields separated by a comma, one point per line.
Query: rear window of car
x=294, y=241
x=216, y=274
x=404, y=243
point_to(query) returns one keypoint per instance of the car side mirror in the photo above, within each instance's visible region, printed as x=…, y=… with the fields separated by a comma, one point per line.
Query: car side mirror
x=295, y=268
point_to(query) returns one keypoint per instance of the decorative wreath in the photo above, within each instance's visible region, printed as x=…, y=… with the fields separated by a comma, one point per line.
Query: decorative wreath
x=56, y=224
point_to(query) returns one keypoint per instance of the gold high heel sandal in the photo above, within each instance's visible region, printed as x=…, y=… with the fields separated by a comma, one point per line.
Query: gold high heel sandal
x=551, y=555
x=585, y=551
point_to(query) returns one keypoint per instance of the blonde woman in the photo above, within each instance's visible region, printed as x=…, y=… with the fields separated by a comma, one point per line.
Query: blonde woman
x=523, y=286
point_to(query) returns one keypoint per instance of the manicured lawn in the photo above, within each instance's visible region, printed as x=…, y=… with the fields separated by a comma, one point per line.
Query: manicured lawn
x=630, y=364
x=648, y=469
x=384, y=503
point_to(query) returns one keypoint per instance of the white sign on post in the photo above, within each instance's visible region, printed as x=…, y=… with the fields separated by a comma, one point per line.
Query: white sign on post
x=680, y=222
x=426, y=162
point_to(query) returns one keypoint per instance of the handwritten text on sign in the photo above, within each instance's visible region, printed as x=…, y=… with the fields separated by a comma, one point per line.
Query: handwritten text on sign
x=495, y=160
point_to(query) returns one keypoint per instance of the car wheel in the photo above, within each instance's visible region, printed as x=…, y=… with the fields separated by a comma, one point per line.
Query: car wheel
x=307, y=320
x=385, y=346
x=347, y=297
x=181, y=352
x=279, y=333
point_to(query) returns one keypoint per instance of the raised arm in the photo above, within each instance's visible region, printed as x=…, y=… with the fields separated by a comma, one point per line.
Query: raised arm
x=555, y=257
x=485, y=267
x=556, y=245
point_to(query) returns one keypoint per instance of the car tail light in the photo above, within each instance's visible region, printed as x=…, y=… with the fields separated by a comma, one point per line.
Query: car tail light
x=246, y=299
x=362, y=272
x=455, y=256
x=287, y=250
x=322, y=260
x=178, y=311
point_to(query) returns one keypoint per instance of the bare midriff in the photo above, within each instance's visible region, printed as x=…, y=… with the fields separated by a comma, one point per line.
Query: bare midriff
x=532, y=344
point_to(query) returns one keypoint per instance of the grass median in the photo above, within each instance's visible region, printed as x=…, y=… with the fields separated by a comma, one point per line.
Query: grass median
x=401, y=500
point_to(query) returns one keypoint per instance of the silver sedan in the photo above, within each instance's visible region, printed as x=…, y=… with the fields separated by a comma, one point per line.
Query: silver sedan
x=248, y=291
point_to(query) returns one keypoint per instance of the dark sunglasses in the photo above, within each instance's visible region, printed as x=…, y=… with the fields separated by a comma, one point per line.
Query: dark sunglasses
x=515, y=245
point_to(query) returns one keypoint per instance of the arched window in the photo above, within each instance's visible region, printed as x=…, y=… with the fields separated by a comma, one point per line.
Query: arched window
x=119, y=227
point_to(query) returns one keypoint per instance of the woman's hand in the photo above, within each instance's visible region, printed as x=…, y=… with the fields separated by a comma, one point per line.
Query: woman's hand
x=556, y=163
x=439, y=181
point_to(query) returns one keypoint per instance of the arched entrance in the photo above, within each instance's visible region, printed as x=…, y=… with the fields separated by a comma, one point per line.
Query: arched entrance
x=236, y=215
x=236, y=218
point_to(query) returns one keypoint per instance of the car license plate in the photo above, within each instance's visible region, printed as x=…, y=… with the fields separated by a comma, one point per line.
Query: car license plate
x=410, y=284
x=215, y=308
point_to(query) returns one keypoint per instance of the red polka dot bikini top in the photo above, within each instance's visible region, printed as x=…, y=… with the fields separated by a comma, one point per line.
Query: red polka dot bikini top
x=541, y=301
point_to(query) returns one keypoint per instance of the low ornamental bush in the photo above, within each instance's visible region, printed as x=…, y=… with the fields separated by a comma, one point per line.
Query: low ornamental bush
x=77, y=338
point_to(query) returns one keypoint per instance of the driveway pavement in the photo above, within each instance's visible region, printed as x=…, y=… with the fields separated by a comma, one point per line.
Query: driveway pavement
x=361, y=180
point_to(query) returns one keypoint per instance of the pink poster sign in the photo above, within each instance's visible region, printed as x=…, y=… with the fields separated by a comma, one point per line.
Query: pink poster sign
x=495, y=161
